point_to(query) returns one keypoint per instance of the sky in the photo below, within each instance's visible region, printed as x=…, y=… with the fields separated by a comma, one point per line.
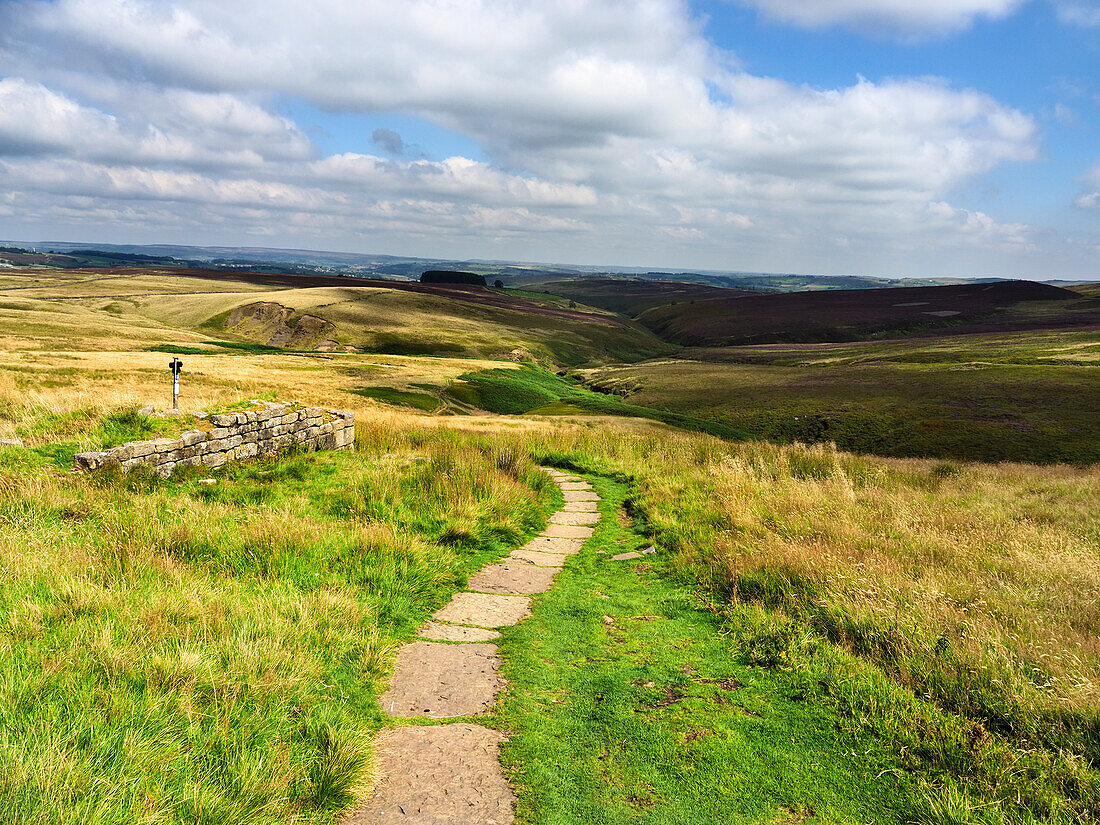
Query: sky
x=921, y=138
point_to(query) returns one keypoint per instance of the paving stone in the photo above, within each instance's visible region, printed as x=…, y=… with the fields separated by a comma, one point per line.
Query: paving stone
x=568, y=531
x=579, y=495
x=546, y=544
x=624, y=556
x=535, y=557
x=432, y=775
x=484, y=610
x=440, y=680
x=581, y=507
x=456, y=633
x=574, y=518
x=513, y=579
x=574, y=485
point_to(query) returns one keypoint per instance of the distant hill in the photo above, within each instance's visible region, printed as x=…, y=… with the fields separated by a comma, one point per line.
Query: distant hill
x=850, y=315
x=633, y=296
x=528, y=275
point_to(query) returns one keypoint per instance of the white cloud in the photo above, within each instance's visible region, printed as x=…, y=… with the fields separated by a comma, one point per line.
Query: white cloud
x=1079, y=12
x=1090, y=198
x=611, y=121
x=34, y=119
x=905, y=17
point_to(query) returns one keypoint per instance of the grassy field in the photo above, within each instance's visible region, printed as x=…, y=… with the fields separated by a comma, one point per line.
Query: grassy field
x=993, y=397
x=935, y=622
x=820, y=637
x=174, y=652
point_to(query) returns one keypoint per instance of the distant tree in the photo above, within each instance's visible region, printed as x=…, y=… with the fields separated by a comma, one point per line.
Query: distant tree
x=499, y=284
x=450, y=276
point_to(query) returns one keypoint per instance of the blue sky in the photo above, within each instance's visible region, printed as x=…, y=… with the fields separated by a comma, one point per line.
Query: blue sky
x=947, y=137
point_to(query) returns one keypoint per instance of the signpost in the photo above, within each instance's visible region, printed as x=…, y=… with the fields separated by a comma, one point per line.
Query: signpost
x=175, y=366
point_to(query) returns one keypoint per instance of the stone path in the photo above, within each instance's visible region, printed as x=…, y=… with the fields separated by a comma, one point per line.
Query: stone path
x=450, y=774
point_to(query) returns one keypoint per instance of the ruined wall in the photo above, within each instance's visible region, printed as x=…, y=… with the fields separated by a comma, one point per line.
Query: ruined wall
x=234, y=437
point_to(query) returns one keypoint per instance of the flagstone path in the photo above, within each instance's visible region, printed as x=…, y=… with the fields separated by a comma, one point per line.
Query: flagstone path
x=450, y=774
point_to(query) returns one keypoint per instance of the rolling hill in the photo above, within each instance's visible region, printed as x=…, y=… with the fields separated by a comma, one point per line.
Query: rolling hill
x=851, y=315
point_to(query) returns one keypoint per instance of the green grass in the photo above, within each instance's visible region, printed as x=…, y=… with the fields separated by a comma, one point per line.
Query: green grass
x=978, y=398
x=925, y=608
x=627, y=703
x=177, y=349
x=402, y=398
x=172, y=652
x=76, y=430
x=531, y=389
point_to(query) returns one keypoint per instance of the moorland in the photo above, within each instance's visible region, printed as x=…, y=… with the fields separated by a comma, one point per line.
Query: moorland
x=899, y=628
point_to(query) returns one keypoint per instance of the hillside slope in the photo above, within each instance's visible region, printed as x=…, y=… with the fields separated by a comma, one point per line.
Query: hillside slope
x=851, y=315
x=338, y=312
x=633, y=296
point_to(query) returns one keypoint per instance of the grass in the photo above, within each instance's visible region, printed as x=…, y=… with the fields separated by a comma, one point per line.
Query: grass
x=173, y=652
x=979, y=398
x=405, y=323
x=403, y=398
x=630, y=704
x=937, y=619
x=926, y=631
x=945, y=613
x=532, y=389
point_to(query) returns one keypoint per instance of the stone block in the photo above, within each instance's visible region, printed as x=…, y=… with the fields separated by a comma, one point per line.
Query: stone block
x=165, y=445
x=224, y=420
x=165, y=470
x=313, y=412
x=121, y=453
x=192, y=437
x=218, y=432
x=92, y=460
x=289, y=418
x=247, y=450
x=140, y=448
x=231, y=442
x=214, y=460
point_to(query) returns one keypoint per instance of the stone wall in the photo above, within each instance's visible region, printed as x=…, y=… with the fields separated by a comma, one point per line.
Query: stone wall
x=234, y=437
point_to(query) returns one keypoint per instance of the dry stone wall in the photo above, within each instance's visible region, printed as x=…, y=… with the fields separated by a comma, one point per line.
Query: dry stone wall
x=234, y=437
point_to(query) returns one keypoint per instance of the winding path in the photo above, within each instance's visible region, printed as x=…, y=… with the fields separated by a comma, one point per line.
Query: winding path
x=450, y=774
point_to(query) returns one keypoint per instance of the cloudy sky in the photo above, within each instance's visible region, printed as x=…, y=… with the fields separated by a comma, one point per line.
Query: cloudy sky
x=892, y=137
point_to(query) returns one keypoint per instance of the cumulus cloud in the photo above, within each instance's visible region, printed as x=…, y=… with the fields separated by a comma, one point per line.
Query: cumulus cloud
x=904, y=17
x=612, y=121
